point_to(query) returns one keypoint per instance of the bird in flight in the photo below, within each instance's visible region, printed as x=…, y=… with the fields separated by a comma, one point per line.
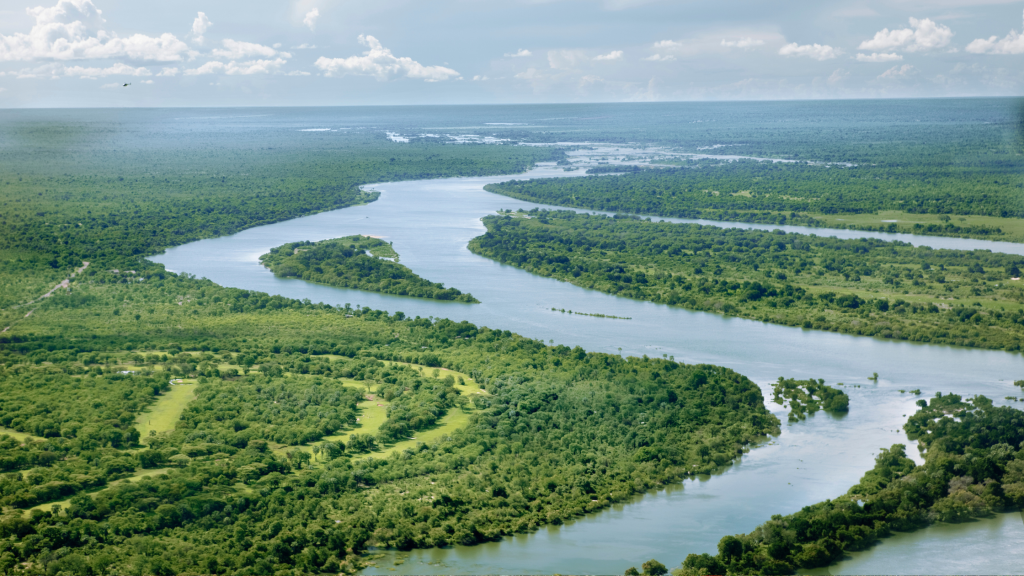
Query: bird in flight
x=126, y=84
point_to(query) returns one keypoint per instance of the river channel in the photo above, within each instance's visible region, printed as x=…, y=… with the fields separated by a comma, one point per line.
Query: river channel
x=430, y=223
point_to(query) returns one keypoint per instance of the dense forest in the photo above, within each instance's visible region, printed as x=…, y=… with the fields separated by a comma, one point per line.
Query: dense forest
x=230, y=488
x=974, y=466
x=864, y=287
x=355, y=262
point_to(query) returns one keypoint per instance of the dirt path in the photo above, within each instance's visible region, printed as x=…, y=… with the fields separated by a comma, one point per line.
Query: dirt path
x=65, y=283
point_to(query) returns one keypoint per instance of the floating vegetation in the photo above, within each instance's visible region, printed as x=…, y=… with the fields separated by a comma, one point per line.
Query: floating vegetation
x=564, y=311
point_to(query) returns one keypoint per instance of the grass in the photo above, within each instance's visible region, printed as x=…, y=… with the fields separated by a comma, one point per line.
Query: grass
x=47, y=507
x=166, y=411
x=373, y=413
x=1013, y=228
x=19, y=436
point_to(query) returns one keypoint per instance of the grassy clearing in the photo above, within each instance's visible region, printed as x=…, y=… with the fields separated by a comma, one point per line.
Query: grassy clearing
x=1013, y=228
x=19, y=436
x=165, y=412
x=133, y=478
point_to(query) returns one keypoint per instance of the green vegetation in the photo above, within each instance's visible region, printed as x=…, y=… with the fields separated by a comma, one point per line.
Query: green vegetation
x=344, y=262
x=808, y=396
x=974, y=466
x=863, y=287
x=802, y=193
x=268, y=468
x=165, y=412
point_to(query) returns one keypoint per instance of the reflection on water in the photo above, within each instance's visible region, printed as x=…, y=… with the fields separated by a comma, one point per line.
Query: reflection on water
x=985, y=546
x=430, y=223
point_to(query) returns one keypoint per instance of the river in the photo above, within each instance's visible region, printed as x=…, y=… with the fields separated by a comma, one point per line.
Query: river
x=430, y=223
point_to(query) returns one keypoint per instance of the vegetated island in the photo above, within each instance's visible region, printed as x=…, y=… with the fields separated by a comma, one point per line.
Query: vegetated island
x=974, y=467
x=808, y=396
x=357, y=262
x=863, y=287
x=912, y=194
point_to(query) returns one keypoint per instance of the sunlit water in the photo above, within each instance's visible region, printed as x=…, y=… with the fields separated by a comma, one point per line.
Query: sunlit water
x=430, y=223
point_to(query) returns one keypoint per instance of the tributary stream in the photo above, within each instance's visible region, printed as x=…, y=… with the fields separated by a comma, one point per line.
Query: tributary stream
x=430, y=223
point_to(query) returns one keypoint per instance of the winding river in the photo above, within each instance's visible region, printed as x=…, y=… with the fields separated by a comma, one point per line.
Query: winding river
x=430, y=223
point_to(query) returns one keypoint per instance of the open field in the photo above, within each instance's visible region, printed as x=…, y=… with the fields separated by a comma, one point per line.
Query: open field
x=165, y=412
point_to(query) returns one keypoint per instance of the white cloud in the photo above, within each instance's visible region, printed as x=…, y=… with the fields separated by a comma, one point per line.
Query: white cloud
x=145, y=81
x=660, y=58
x=1013, y=43
x=116, y=69
x=898, y=72
x=566, y=59
x=70, y=30
x=236, y=50
x=298, y=73
x=521, y=53
x=304, y=47
x=199, y=27
x=238, y=68
x=879, y=57
x=747, y=42
x=168, y=72
x=479, y=78
x=922, y=35
x=838, y=76
x=380, y=63
x=667, y=44
x=613, y=55
x=310, y=19
x=816, y=51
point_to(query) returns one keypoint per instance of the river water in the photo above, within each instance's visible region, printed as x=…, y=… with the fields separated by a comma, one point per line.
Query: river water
x=430, y=223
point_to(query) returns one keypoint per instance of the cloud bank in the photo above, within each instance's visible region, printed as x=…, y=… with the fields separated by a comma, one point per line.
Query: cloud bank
x=380, y=63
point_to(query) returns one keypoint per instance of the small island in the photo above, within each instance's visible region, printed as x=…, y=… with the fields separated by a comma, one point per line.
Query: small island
x=357, y=262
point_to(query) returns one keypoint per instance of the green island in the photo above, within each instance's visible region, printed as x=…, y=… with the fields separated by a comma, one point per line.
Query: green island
x=865, y=287
x=806, y=397
x=974, y=467
x=926, y=197
x=356, y=262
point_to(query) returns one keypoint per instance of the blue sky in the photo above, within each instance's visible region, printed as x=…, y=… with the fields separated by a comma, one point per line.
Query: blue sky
x=70, y=53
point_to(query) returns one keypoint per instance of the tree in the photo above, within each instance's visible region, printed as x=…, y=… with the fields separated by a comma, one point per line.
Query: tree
x=654, y=568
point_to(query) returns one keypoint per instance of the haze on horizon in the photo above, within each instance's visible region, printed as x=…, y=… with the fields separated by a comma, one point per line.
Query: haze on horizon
x=79, y=53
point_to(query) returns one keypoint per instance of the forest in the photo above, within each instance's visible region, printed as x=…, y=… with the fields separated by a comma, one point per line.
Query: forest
x=794, y=193
x=235, y=486
x=974, y=467
x=865, y=287
x=355, y=262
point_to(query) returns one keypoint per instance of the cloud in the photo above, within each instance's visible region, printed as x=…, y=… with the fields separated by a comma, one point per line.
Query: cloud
x=566, y=59
x=70, y=30
x=236, y=50
x=922, y=35
x=879, y=57
x=298, y=73
x=116, y=69
x=380, y=63
x=660, y=58
x=816, y=51
x=521, y=53
x=168, y=72
x=898, y=72
x=199, y=27
x=667, y=44
x=238, y=68
x=479, y=78
x=310, y=19
x=747, y=42
x=304, y=47
x=1013, y=43
x=838, y=76
x=613, y=55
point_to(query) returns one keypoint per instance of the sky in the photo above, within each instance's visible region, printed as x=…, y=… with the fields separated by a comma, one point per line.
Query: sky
x=80, y=53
